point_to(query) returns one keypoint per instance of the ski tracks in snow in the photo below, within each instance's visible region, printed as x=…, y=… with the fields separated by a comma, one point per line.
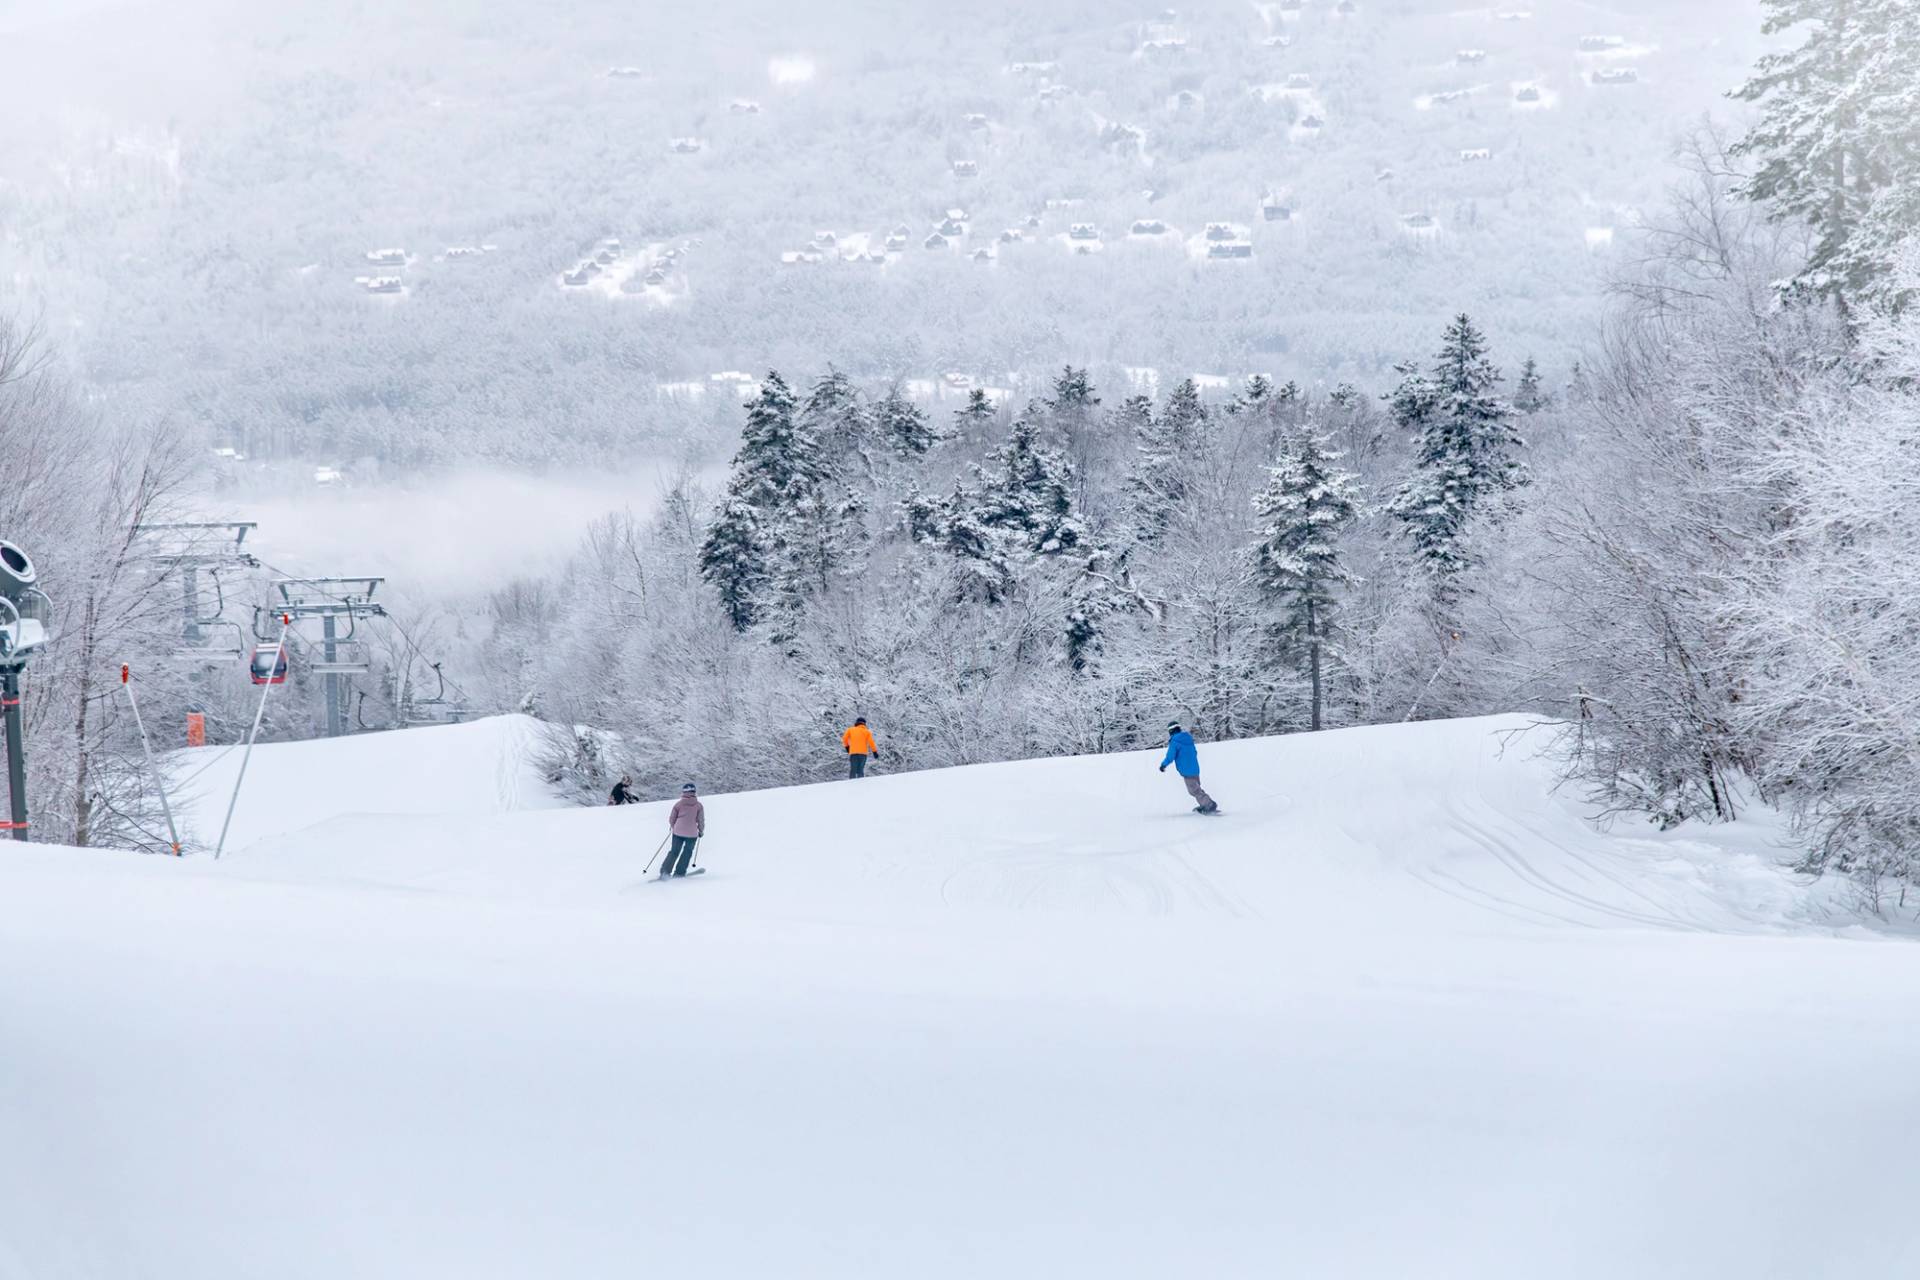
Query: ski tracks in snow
x=1156, y=880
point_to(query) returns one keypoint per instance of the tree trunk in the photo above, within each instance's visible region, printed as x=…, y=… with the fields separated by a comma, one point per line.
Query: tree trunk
x=1313, y=654
x=82, y=803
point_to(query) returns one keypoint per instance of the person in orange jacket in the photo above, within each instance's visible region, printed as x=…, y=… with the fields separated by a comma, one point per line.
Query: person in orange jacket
x=859, y=744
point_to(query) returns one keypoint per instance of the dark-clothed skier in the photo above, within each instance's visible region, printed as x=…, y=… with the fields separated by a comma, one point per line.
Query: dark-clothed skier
x=686, y=822
x=1185, y=759
x=623, y=792
x=859, y=744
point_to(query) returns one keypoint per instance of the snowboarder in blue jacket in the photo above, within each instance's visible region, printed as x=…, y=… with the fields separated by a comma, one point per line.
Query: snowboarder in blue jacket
x=1185, y=759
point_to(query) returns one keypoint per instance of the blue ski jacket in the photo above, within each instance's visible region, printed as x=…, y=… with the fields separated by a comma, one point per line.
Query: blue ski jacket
x=1182, y=756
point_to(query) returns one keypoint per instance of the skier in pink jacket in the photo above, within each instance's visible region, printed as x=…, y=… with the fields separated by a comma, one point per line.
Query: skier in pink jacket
x=686, y=822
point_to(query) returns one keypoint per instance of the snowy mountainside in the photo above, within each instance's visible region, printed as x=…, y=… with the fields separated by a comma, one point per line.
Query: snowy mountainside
x=1400, y=1010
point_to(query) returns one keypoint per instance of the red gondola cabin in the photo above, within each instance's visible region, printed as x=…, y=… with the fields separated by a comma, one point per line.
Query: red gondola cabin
x=269, y=664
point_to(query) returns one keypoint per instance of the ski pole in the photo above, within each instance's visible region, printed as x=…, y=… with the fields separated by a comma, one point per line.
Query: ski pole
x=656, y=853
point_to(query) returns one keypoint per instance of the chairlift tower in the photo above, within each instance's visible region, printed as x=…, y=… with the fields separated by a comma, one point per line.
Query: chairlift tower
x=342, y=656
x=191, y=548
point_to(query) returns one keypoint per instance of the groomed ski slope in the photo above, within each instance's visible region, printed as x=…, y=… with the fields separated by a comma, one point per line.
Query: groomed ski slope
x=1401, y=1012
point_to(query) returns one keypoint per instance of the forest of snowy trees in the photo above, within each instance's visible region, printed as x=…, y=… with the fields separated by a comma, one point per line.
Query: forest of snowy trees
x=1697, y=548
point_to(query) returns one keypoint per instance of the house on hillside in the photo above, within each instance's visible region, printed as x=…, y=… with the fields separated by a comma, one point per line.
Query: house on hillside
x=896, y=241
x=934, y=241
x=1148, y=227
x=1313, y=123
x=1616, y=75
x=1083, y=231
x=1012, y=235
x=654, y=278
x=975, y=120
x=1527, y=93
x=951, y=227
x=625, y=73
x=1470, y=57
x=1031, y=68
x=462, y=251
x=1230, y=249
x=387, y=257
x=966, y=168
x=685, y=146
x=1278, y=42
x=1470, y=154
x=1299, y=80
x=579, y=275
x=983, y=255
x=744, y=107
x=385, y=284
x=1273, y=209
x=1600, y=44
x=1221, y=231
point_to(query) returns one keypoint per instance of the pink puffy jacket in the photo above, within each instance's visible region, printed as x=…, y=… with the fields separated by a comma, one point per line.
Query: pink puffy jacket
x=689, y=817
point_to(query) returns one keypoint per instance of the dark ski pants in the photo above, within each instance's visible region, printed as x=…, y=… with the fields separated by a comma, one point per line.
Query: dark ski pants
x=683, y=850
x=856, y=765
x=1198, y=792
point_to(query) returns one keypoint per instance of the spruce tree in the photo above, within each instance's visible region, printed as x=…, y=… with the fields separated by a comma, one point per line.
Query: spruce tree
x=1307, y=504
x=1528, y=395
x=1467, y=450
x=900, y=423
x=774, y=494
x=840, y=424
x=974, y=423
x=734, y=558
x=1028, y=492
x=1164, y=449
x=1833, y=139
x=953, y=525
x=1073, y=395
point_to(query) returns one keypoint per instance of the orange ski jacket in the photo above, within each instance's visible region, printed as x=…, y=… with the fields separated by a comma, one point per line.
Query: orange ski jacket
x=858, y=740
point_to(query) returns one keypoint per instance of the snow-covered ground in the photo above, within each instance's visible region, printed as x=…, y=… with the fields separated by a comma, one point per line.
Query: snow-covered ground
x=1399, y=1011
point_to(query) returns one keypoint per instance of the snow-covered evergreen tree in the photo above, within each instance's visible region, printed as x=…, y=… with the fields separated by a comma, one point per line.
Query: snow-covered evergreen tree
x=1027, y=492
x=904, y=427
x=774, y=495
x=1467, y=449
x=1073, y=401
x=1834, y=139
x=1307, y=505
x=1165, y=445
x=1529, y=396
x=973, y=422
x=841, y=426
x=734, y=558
